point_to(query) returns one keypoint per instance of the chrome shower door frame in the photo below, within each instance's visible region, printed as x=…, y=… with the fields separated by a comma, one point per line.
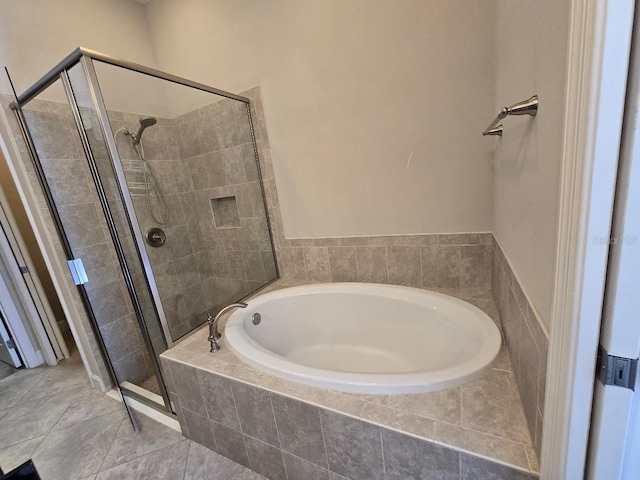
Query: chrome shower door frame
x=68, y=250
x=86, y=58
x=131, y=221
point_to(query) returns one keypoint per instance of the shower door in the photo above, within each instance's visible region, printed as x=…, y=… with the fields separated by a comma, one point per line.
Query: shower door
x=137, y=364
x=155, y=188
x=191, y=171
x=61, y=175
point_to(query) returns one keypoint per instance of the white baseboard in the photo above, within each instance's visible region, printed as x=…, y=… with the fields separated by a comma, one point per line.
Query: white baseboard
x=98, y=384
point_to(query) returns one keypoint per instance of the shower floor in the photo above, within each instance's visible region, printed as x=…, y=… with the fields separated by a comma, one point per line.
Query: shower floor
x=484, y=417
x=151, y=384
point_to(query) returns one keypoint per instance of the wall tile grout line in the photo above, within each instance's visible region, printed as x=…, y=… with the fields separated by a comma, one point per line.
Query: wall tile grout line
x=275, y=421
x=384, y=463
x=324, y=441
x=235, y=406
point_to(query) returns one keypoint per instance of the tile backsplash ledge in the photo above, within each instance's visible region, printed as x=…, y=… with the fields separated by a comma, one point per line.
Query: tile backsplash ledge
x=458, y=264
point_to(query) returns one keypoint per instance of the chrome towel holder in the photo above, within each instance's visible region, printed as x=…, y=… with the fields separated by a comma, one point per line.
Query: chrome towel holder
x=526, y=107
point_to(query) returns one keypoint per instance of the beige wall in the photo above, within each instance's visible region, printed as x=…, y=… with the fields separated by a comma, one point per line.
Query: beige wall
x=531, y=46
x=37, y=34
x=352, y=90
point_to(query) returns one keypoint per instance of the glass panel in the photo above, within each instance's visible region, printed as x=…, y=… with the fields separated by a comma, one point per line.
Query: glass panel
x=65, y=168
x=141, y=343
x=188, y=157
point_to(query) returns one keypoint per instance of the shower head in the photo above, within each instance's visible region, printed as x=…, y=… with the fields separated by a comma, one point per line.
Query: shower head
x=144, y=123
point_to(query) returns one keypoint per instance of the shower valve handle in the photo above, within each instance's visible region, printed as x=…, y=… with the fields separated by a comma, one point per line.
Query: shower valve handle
x=155, y=237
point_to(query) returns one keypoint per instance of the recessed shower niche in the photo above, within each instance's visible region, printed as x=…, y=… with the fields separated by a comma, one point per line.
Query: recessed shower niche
x=146, y=150
x=225, y=212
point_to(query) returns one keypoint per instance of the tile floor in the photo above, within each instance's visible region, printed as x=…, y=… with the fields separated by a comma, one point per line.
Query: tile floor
x=6, y=370
x=52, y=415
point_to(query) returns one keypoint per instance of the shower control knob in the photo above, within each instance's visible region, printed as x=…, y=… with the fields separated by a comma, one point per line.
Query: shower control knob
x=155, y=237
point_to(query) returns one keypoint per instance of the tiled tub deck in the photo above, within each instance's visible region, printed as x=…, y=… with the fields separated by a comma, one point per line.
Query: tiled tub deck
x=288, y=431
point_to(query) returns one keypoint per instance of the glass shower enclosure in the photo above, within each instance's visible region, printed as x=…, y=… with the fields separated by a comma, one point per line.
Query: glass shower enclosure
x=153, y=184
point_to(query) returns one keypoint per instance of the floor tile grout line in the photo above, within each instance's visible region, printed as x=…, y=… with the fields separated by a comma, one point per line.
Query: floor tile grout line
x=46, y=435
x=32, y=387
x=136, y=459
x=113, y=441
x=82, y=421
x=186, y=459
x=182, y=439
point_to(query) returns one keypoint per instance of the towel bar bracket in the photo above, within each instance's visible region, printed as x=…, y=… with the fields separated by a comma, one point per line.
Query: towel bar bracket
x=526, y=107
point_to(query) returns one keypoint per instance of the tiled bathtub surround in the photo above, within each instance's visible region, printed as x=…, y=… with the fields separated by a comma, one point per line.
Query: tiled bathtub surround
x=287, y=430
x=459, y=264
x=526, y=339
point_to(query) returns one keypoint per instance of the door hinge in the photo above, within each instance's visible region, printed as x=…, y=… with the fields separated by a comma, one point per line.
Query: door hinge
x=10, y=344
x=77, y=271
x=24, y=269
x=618, y=371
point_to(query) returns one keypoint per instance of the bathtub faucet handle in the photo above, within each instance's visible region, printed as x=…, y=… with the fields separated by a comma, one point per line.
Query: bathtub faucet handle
x=214, y=334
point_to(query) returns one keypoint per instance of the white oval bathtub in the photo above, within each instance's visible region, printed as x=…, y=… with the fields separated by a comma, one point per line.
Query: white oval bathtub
x=365, y=338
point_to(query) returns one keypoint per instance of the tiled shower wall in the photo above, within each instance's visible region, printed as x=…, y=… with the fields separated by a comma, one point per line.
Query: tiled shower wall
x=526, y=340
x=199, y=158
x=174, y=263
x=60, y=151
x=202, y=267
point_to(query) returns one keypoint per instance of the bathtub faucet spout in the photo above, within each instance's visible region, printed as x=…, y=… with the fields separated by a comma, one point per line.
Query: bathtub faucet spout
x=214, y=334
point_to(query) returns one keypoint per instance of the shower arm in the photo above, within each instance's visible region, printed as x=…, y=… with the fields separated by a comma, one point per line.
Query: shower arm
x=526, y=107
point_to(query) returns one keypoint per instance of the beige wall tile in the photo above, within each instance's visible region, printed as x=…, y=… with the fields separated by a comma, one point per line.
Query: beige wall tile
x=491, y=405
x=342, y=261
x=372, y=264
x=404, y=266
x=472, y=441
x=440, y=266
x=316, y=263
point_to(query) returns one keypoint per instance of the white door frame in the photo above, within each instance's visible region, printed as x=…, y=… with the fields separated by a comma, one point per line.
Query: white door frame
x=32, y=354
x=5, y=336
x=597, y=64
x=28, y=286
x=612, y=453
